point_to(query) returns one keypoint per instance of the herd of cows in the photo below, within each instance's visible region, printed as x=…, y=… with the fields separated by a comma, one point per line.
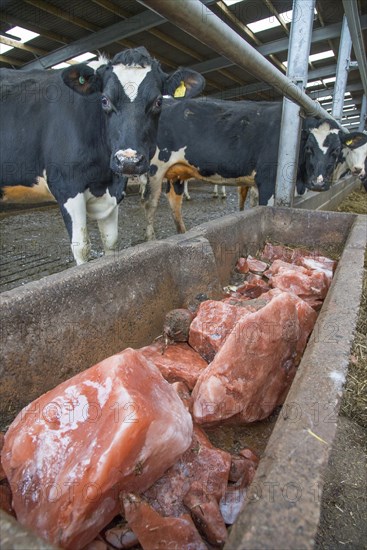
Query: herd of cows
x=88, y=128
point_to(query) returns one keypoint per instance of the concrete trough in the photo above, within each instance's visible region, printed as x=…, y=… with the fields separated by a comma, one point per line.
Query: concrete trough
x=64, y=323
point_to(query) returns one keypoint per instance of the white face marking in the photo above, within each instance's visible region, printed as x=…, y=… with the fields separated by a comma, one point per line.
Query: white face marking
x=130, y=77
x=126, y=153
x=355, y=159
x=321, y=133
x=319, y=179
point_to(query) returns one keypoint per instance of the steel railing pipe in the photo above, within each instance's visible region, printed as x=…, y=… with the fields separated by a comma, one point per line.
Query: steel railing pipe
x=197, y=20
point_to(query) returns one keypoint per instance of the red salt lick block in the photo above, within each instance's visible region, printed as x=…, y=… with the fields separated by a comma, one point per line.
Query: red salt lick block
x=252, y=372
x=211, y=326
x=113, y=428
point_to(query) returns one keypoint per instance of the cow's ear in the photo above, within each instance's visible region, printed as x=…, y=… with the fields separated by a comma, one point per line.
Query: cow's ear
x=353, y=139
x=184, y=83
x=82, y=79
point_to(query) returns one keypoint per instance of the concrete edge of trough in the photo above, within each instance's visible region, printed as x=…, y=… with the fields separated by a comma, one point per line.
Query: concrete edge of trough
x=16, y=537
x=282, y=506
x=328, y=200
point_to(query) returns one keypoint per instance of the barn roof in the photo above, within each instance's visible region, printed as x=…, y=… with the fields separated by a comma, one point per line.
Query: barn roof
x=65, y=30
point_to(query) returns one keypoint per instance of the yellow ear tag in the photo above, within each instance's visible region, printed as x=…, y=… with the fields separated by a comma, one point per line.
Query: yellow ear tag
x=349, y=142
x=181, y=90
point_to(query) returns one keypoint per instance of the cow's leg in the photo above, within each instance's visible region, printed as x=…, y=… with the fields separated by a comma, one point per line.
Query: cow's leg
x=186, y=190
x=108, y=228
x=224, y=194
x=174, y=193
x=254, y=197
x=74, y=212
x=215, y=192
x=150, y=204
x=242, y=195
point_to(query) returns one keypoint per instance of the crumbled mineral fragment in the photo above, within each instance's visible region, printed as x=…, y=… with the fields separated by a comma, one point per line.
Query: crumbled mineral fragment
x=202, y=463
x=156, y=532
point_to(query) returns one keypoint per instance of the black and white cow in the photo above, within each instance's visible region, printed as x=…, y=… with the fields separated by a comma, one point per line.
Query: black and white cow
x=85, y=143
x=353, y=156
x=232, y=143
x=223, y=194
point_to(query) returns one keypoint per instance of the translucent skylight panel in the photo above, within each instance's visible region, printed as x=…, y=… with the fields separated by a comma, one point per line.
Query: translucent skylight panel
x=271, y=22
x=316, y=57
x=314, y=83
x=321, y=55
x=264, y=24
x=17, y=33
x=329, y=80
x=231, y=2
x=24, y=35
x=4, y=48
x=83, y=57
x=87, y=56
x=62, y=65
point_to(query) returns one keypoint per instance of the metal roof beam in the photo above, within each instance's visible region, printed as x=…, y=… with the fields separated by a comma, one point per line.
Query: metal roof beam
x=123, y=29
x=322, y=72
x=318, y=35
x=356, y=87
x=133, y=25
x=213, y=32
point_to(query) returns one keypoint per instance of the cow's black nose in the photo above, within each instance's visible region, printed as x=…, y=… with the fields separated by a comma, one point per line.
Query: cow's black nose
x=357, y=170
x=130, y=163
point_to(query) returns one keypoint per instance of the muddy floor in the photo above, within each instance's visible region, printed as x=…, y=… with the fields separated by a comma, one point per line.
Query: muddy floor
x=34, y=242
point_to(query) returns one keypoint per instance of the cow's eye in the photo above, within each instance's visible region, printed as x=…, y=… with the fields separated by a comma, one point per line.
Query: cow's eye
x=157, y=105
x=308, y=150
x=106, y=104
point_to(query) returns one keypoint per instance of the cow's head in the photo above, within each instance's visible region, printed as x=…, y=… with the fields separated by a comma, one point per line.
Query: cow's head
x=355, y=152
x=131, y=87
x=320, y=149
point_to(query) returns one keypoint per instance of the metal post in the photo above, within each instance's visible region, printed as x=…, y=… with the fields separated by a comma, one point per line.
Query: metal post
x=298, y=53
x=352, y=12
x=362, y=121
x=342, y=70
x=196, y=19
